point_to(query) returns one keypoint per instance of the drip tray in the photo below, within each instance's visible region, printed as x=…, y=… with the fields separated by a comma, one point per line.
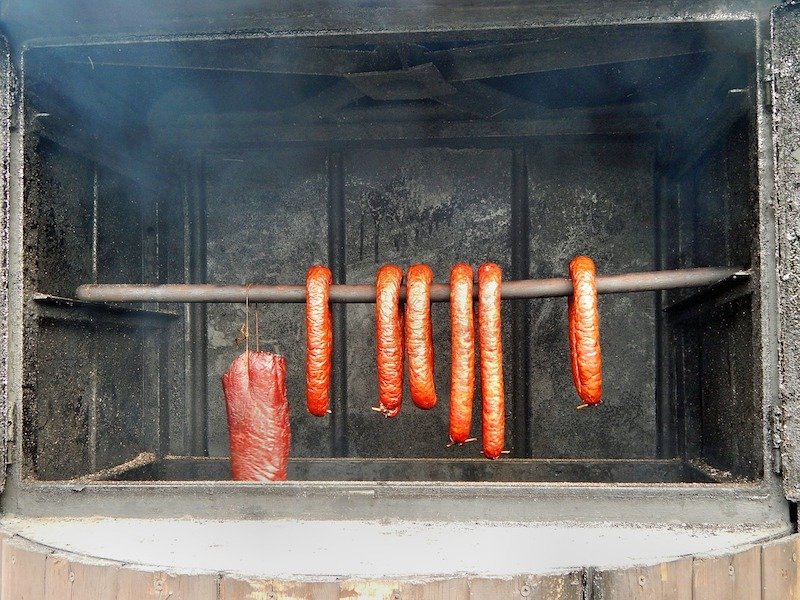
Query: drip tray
x=179, y=468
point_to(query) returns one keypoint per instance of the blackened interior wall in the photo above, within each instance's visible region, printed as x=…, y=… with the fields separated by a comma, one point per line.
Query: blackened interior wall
x=267, y=221
x=103, y=385
x=94, y=378
x=709, y=222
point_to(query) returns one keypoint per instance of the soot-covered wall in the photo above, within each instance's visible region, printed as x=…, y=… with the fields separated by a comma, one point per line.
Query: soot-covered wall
x=267, y=222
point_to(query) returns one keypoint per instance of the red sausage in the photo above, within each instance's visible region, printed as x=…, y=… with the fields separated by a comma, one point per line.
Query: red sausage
x=491, y=348
x=258, y=416
x=584, y=332
x=419, y=336
x=319, y=339
x=389, y=336
x=462, y=375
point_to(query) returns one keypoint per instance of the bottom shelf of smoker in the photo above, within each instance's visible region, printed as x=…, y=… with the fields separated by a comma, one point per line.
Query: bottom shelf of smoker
x=181, y=468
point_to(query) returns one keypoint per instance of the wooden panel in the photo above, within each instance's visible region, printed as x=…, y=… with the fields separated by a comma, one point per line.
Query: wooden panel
x=232, y=588
x=140, y=585
x=665, y=581
x=22, y=571
x=79, y=581
x=734, y=577
x=779, y=572
x=440, y=589
x=57, y=583
x=195, y=587
x=371, y=590
x=555, y=587
x=568, y=586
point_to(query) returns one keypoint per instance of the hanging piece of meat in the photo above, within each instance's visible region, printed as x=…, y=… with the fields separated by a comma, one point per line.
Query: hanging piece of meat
x=490, y=277
x=258, y=416
x=462, y=332
x=419, y=336
x=584, y=332
x=319, y=339
x=389, y=339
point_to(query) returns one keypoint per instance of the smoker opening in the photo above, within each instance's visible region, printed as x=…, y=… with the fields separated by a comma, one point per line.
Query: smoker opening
x=236, y=161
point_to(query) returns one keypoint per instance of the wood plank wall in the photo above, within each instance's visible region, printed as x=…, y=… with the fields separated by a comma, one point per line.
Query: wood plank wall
x=768, y=572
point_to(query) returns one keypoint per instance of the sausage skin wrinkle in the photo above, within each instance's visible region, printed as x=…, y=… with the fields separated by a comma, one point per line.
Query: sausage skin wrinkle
x=319, y=339
x=584, y=332
x=419, y=336
x=490, y=276
x=462, y=333
x=258, y=416
x=389, y=336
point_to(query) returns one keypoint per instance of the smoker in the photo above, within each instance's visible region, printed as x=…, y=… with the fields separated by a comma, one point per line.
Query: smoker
x=164, y=166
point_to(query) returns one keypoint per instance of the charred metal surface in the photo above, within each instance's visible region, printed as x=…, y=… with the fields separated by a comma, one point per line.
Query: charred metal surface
x=720, y=417
x=595, y=199
x=520, y=323
x=433, y=205
x=267, y=220
x=786, y=65
x=64, y=397
x=196, y=326
x=96, y=380
x=730, y=419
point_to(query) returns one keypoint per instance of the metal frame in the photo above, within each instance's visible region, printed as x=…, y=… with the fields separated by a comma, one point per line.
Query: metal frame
x=725, y=504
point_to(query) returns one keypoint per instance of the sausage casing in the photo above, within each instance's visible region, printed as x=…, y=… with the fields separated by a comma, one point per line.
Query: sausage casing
x=419, y=336
x=462, y=333
x=584, y=331
x=490, y=277
x=258, y=416
x=389, y=337
x=319, y=339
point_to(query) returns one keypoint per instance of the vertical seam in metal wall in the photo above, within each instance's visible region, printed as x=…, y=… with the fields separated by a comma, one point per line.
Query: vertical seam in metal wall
x=198, y=397
x=520, y=330
x=664, y=412
x=93, y=374
x=337, y=262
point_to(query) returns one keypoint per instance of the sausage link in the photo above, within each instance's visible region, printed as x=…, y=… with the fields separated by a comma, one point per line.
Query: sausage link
x=419, y=336
x=389, y=336
x=319, y=339
x=462, y=332
x=491, y=348
x=584, y=331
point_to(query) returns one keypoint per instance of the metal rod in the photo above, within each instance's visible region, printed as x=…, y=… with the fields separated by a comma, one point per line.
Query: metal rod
x=646, y=281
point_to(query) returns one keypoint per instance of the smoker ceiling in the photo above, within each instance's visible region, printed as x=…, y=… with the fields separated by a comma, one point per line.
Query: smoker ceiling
x=136, y=106
x=297, y=82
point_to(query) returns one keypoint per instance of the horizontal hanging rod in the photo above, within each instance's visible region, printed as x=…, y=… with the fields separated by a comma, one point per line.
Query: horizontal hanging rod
x=527, y=288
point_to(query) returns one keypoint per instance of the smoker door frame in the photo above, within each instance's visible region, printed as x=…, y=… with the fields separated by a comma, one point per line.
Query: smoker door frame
x=6, y=83
x=783, y=85
x=723, y=504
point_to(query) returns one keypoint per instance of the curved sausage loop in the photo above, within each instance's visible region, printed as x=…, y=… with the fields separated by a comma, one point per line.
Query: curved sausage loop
x=389, y=336
x=462, y=333
x=319, y=339
x=584, y=332
x=490, y=277
x=419, y=336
